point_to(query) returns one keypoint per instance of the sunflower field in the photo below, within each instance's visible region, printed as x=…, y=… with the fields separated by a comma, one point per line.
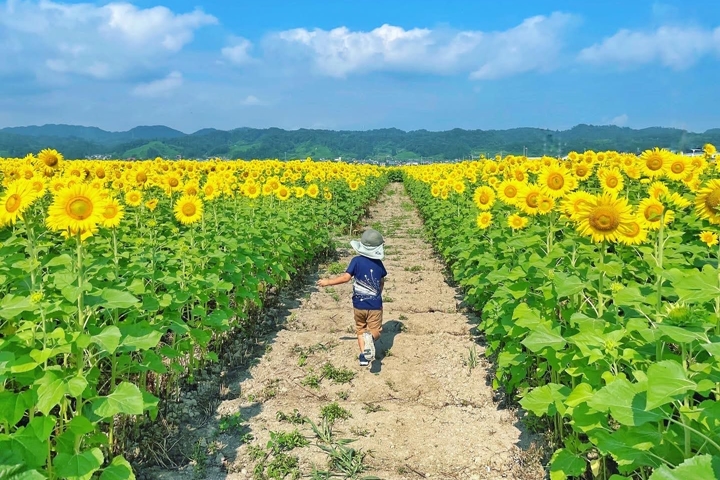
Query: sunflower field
x=598, y=283
x=119, y=280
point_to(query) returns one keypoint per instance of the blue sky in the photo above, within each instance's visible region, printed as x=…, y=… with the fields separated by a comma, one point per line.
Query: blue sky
x=360, y=64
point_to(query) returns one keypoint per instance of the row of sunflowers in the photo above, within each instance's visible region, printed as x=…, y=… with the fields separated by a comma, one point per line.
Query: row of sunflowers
x=119, y=280
x=598, y=281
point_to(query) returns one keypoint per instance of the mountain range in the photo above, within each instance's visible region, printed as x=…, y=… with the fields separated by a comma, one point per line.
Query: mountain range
x=142, y=142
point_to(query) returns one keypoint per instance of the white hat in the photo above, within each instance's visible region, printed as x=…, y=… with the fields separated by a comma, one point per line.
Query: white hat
x=370, y=245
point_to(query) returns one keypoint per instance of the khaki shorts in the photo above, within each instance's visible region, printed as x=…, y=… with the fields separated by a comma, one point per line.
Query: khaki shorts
x=368, y=320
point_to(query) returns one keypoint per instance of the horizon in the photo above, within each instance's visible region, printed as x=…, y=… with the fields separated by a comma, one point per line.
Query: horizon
x=347, y=66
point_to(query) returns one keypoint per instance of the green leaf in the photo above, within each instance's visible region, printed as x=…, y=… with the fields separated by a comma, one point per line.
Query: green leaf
x=117, y=299
x=13, y=406
x=630, y=297
x=701, y=467
x=80, y=466
x=526, y=317
x=580, y=394
x=140, y=336
x=567, y=285
x=119, y=469
x=624, y=402
x=565, y=464
x=667, y=381
x=693, y=286
x=108, y=339
x=24, y=443
x=545, y=400
x=51, y=390
x=12, y=306
x=43, y=427
x=544, y=337
x=682, y=334
x=629, y=446
x=125, y=399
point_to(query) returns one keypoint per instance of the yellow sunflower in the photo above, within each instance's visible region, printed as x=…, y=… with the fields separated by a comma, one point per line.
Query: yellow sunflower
x=657, y=190
x=710, y=238
x=15, y=200
x=611, y=180
x=582, y=170
x=707, y=202
x=484, y=197
x=134, y=198
x=188, y=209
x=251, y=190
x=546, y=204
x=633, y=232
x=554, y=181
x=484, y=220
x=299, y=192
x=603, y=218
x=654, y=162
x=677, y=168
x=652, y=212
x=528, y=199
x=113, y=214
x=76, y=209
x=51, y=159
x=574, y=202
x=283, y=193
x=517, y=222
x=507, y=191
x=435, y=190
x=709, y=149
x=151, y=204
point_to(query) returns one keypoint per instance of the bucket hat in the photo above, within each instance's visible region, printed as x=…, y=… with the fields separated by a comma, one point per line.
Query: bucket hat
x=370, y=244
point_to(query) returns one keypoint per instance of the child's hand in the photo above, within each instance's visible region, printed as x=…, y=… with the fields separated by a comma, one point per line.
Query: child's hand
x=323, y=282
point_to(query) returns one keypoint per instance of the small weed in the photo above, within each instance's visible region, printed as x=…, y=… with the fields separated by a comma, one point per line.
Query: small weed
x=387, y=299
x=231, y=423
x=402, y=317
x=346, y=460
x=377, y=226
x=302, y=360
x=336, y=268
x=388, y=353
x=334, y=411
x=247, y=438
x=295, y=418
x=360, y=432
x=323, y=432
x=373, y=407
x=283, y=466
x=414, y=268
x=337, y=375
x=286, y=441
x=311, y=380
x=407, y=206
x=271, y=390
x=256, y=453
x=199, y=459
x=335, y=296
x=391, y=385
x=343, y=395
x=472, y=360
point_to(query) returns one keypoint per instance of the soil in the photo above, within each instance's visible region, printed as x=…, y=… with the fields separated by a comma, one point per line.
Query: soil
x=422, y=410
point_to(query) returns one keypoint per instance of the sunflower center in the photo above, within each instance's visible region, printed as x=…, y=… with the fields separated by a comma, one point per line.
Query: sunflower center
x=484, y=198
x=654, y=162
x=677, y=167
x=581, y=171
x=50, y=160
x=555, y=181
x=653, y=213
x=604, y=219
x=80, y=208
x=713, y=200
x=188, y=209
x=13, y=203
x=173, y=182
x=532, y=200
x=141, y=177
x=519, y=175
x=510, y=191
x=611, y=182
x=110, y=212
x=100, y=173
x=632, y=230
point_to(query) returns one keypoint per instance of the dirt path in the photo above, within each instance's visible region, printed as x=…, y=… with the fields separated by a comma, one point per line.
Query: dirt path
x=422, y=411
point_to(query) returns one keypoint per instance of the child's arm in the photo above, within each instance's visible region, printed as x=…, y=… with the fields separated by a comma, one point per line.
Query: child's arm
x=326, y=282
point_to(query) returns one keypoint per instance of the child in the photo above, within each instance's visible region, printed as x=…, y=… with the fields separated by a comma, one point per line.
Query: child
x=369, y=273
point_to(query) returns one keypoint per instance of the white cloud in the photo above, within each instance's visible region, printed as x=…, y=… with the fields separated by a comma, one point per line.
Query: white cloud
x=674, y=47
x=251, y=100
x=620, y=120
x=534, y=45
x=159, y=88
x=238, y=51
x=96, y=41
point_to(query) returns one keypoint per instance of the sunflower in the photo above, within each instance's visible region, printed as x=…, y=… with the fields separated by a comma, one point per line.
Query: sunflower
x=516, y=222
x=657, y=190
x=15, y=200
x=652, y=212
x=76, y=209
x=151, y=204
x=654, y=162
x=210, y=191
x=191, y=188
x=582, y=170
x=484, y=220
x=633, y=232
x=604, y=217
x=51, y=159
x=554, y=181
x=173, y=182
x=507, y=191
x=484, y=197
x=574, y=202
x=282, y=193
x=435, y=190
x=134, y=198
x=709, y=238
x=707, y=202
x=112, y=214
x=251, y=190
x=299, y=192
x=611, y=180
x=528, y=199
x=709, y=149
x=678, y=200
x=328, y=195
x=546, y=204
x=188, y=209
x=678, y=168
x=459, y=187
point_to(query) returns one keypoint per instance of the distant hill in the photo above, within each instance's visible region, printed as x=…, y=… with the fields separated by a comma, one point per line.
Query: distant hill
x=151, y=141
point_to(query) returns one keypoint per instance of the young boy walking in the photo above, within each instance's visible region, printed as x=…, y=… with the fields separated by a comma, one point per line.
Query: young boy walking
x=368, y=273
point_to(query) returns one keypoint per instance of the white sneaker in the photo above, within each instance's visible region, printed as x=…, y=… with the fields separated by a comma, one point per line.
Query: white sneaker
x=369, y=346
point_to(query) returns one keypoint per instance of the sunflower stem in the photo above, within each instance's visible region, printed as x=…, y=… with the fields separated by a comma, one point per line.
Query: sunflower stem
x=601, y=299
x=79, y=354
x=717, y=298
x=658, y=300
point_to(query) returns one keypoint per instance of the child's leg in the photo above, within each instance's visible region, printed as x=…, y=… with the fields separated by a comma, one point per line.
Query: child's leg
x=361, y=326
x=374, y=323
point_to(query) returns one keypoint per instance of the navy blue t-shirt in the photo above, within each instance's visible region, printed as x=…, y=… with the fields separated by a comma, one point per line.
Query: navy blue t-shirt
x=366, y=273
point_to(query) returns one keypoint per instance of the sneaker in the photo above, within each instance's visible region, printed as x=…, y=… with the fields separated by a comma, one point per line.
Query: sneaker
x=364, y=362
x=369, y=346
